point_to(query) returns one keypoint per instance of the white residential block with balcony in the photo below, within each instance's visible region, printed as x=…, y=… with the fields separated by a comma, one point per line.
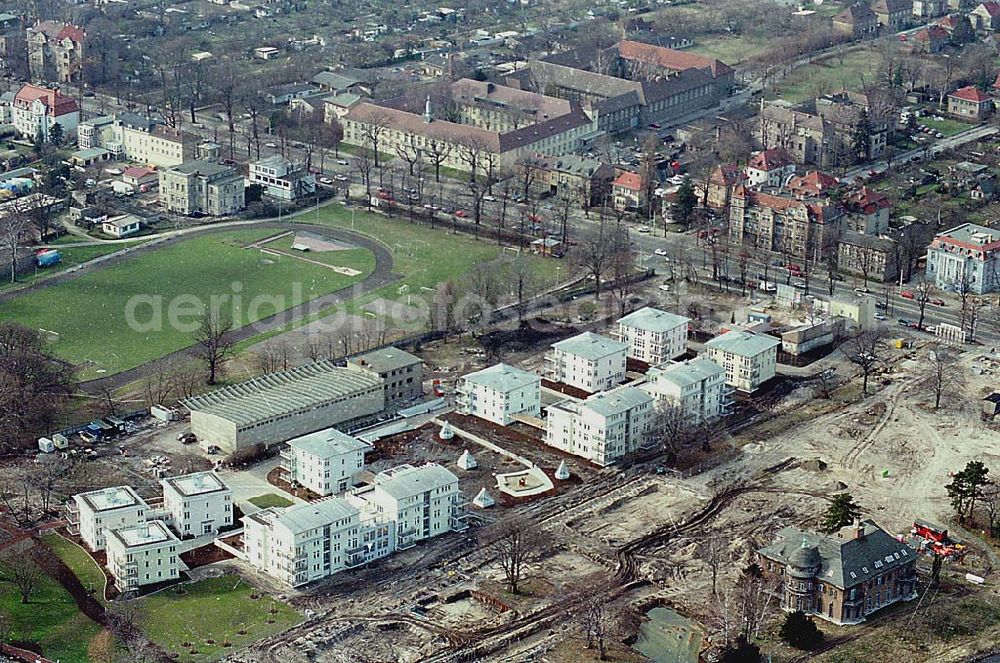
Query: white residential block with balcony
x=326, y=462
x=199, y=503
x=143, y=554
x=588, y=361
x=95, y=513
x=697, y=387
x=307, y=542
x=423, y=501
x=749, y=359
x=654, y=336
x=499, y=392
x=602, y=428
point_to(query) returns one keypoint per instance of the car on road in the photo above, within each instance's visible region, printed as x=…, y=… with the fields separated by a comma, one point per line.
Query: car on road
x=938, y=302
x=341, y=178
x=461, y=213
x=489, y=199
x=903, y=322
x=879, y=316
x=645, y=229
x=325, y=180
x=270, y=145
x=907, y=294
x=660, y=252
x=665, y=287
x=342, y=162
x=799, y=283
x=862, y=291
x=880, y=305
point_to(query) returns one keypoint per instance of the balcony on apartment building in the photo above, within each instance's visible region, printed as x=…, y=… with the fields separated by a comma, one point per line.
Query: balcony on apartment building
x=72, y=517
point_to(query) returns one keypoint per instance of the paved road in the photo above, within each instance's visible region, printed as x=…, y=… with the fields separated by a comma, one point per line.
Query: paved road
x=931, y=149
x=381, y=276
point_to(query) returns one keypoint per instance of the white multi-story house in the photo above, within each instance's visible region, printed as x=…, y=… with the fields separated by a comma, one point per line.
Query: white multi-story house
x=965, y=258
x=325, y=462
x=770, y=168
x=697, y=387
x=199, y=503
x=36, y=110
x=499, y=392
x=143, y=554
x=602, y=428
x=587, y=361
x=654, y=336
x=422, y=501
x=280, y=178
x=94, y=513
x=749, y=359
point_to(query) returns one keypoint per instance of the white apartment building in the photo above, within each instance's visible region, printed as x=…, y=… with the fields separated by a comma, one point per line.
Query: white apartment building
x=499, y=392
x=94, y=513
x=749, y=359
x=143, y=554
x=697, y=386
x=588, y=361
x=325, y=462
x=199, y=503
x=307, y=542
x=280, y=178
x=654, y=336
x=602, y=428
x=423, y=502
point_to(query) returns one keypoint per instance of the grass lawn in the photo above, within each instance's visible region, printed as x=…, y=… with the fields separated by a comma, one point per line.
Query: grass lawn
x=71, y=256
x=51, y=620
x=827, y=75
x=269, y=500
x=946, y=126
x=212, y=609
x=82, y=564
x=730, y=49
x=89, y=313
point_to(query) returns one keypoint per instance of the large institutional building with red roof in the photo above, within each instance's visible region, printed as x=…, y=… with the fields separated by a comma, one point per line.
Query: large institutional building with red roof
x=35, y=110
x=55, y=52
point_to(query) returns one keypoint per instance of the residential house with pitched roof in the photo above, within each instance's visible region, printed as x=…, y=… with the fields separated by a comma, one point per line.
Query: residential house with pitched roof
x=843, y=577
x=986, y=17
x=55, y=52
x=813, y=183
x=584, y=180
x=628, y=191
x=893, y=15
x=749, y=359
x=37, y=109
x=931, y=39
x=772, y=220
x=654, y=336
x=587, y=361
x=873, y=257
x=857, y=21
x=721, y=182
x=867, y=210
x=970, y=103
x=770, y=167
x=499, y=392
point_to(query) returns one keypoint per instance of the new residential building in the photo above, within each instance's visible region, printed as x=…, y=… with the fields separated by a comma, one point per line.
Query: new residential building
x=402, y=373
x=654, y=336
x=143, y=554
x=965, y=258
x=422, y=502
x=202, y=187
x=499, y=392
x=326, y=462
x=587, y=361
x=279, y=406
x=36, y=110
x=602, y=428
x=281, y=178
x=843, y=577
x=697, y=387
x=198, y=503
x=95, y=513
x=55, y=52
x=749, y=359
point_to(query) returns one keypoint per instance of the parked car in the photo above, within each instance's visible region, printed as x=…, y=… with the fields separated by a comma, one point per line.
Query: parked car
x=938, y=302
x=907, y=294
x=879, y=316
x=342, y=162
x=903, y=322
x=461, y=213
x=645, y=229
x=489, y=199
x=665, y=287
x=660, y=252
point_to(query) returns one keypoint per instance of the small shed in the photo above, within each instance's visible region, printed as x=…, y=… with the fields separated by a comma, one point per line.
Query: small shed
x=991, y=404
x=46, y=445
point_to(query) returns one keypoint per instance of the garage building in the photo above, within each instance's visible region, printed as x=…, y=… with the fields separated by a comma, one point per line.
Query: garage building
x=280, y=406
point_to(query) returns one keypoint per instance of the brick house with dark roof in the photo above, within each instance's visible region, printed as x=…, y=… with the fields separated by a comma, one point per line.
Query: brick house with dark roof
x=969, y=103
x=931, y=39
x=843, y=577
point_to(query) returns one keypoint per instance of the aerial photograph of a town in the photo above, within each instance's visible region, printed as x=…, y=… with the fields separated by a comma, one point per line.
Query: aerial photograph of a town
x=550, y=331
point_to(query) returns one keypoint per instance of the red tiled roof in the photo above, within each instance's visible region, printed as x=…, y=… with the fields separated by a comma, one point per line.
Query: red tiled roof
x=771, y=159
x=138, y=172
x=671, y=59
x=72, y=33
x=970, y=93
x=867, y=200
x=629, y=180
x=948, y=22
x=57, y=103
x=726, y=173
x=935, y=32
x=814, y=182
x=992, y=8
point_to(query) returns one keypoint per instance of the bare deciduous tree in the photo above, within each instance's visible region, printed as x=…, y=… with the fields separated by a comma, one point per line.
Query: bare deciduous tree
x=866, y=350
x=597, y=249
x=945, y=375
x=516, y=541
x=212, y=343
x=20, y=570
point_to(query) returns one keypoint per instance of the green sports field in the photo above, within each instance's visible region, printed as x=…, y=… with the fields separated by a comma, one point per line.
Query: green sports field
x=87, y=318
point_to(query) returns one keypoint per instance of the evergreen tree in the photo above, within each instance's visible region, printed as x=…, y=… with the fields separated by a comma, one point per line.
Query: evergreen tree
x=686, y=200
x=966, y=487
x=56, y=134
x=841, y=513
x=801, y=631
x=741, y=652
x=862, y=139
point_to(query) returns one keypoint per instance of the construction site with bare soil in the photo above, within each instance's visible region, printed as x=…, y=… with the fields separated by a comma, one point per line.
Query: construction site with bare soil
x=644, y=561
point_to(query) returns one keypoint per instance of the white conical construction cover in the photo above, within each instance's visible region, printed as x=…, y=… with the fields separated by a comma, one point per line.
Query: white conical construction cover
x=467, y=461
x=483, y=499
x=446, y=432
x=562, y=473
